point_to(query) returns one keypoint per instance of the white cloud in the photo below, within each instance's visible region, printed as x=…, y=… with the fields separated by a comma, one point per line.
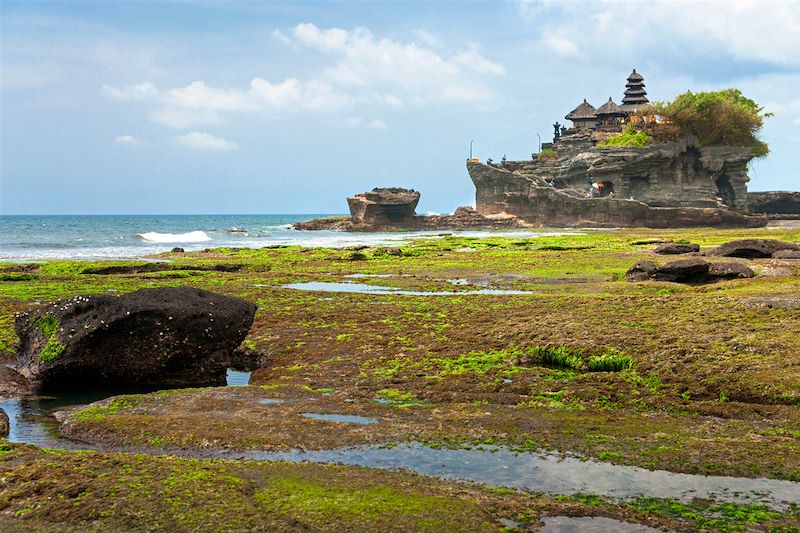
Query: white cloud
x=377, y=125
x=198, y=95
x=127, y=140
x=205, y=141
x=391, y=100
x=353, y=122
x=365, y=71
x=140, y=91
x=473, y=60
x=744, y=30
x=416, y=72
x=559, y=44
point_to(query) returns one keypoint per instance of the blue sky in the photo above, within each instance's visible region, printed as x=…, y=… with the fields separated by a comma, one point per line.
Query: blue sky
x=256, y=107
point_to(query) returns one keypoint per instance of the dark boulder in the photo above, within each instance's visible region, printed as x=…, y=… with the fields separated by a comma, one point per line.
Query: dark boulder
x=786, y=254
x=4, y=424
x=753, y=248
x=163, y=337
x=729, y=271
x=177, y=250
x=683, y=271
x=641, y=271
x=674, y=248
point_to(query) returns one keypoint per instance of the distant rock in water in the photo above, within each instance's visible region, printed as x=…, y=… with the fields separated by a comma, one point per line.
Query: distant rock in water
x=774, y=202
x=384, y=206
x=162, y=337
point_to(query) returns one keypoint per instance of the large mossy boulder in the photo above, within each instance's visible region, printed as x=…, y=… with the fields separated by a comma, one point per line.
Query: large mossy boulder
x=753, y=248
x=688, y=271
x=162, y=337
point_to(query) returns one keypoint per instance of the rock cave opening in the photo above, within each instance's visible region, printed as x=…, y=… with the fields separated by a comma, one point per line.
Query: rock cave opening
x=725, y=191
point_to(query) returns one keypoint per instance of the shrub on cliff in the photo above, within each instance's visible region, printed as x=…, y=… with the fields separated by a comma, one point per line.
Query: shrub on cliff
x=717, y=118
x=629, y=137
x=548, y=153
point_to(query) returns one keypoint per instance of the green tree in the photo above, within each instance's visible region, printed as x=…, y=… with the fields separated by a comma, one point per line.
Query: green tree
x=724, y=117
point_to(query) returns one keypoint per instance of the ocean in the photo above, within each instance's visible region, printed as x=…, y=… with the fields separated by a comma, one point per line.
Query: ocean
x=99, y=237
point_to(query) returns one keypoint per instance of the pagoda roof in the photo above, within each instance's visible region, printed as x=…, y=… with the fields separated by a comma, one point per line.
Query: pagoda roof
x=584, y=111
x=610, y=108
x=635, y=76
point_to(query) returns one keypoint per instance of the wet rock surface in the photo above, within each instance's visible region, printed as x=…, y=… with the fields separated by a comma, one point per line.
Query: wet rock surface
x=753, y=248
x=4, y=424
x=12, y=383
x=675, y=248
x=688, y=271
x=786, y=254
x=164, y=337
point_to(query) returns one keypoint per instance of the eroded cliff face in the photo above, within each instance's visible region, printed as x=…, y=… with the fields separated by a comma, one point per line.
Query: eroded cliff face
x=664, y=185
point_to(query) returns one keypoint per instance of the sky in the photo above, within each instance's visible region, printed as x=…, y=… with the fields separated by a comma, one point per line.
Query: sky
x=186, y=106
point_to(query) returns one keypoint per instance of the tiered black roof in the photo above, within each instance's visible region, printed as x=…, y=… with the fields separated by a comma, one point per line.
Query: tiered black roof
x=635, y=95
x=610, y=108
x=584, y=111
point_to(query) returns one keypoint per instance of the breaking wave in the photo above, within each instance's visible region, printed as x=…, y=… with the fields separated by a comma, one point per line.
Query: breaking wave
x=192, y=236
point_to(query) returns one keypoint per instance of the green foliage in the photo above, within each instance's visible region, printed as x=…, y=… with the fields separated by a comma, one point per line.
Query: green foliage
x=629, y=137
x=548, y=153
x=724, y=117
x=48, y=325
x=374, y=506
x=398, y=398
x=708, y=515
x=559, y=357
x=610, y=361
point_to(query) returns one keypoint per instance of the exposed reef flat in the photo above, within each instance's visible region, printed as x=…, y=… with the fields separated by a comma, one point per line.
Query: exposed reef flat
x=695, y=379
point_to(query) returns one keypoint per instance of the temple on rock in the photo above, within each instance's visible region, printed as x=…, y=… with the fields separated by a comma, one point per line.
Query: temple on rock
x=610, y=116
x=578, y=181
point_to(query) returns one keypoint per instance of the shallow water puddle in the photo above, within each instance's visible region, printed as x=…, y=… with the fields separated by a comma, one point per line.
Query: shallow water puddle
x=33, y=421
x=591, y=524
x=234, y=378
x=549, y=473
x=270, y=401
x=348, y=419
x=363, y=288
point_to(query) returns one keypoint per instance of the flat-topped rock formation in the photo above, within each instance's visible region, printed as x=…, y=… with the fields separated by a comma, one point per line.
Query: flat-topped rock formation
x=383, y=206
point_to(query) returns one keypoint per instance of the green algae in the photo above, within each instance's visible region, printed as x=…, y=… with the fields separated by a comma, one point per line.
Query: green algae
x=48, y=325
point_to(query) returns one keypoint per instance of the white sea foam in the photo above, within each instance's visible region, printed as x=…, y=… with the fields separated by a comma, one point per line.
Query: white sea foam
x=192, y=236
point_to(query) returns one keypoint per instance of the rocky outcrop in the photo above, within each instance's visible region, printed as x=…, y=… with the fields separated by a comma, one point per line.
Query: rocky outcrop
x=676, y=248
x=675, y=184
x=774, y=202
x=4, y=424
x=383, y=206
x=753, y=248
x=687, y=271
x=12, y=383
x=162, y=337
x=463, y=218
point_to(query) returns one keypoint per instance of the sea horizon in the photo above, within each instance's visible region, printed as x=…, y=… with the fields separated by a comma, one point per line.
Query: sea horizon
x=111, y=237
